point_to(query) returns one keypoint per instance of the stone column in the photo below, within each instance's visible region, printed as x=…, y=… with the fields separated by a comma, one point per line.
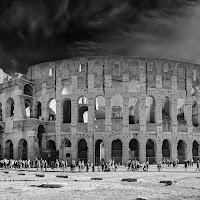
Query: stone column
x=159, y=150
x=174, y=114
x=17, y=105
x=142, y=109
x=125, y=149
x=174, y=153
x=44, y=103
x=91, y=114
x=58, y=115
x=90, y=144
x=188, y=150
x=108, y=123
x=31, y=150
x=188, y=114
x=107, y=146
x=125, y=115
x=74, y=146
x=159, y=113
x=34, y=108
x=142, y=149
x=174, y=104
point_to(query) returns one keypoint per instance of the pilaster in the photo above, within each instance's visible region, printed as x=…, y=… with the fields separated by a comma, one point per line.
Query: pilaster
x=125, y=115
x=58, y=114
x=44, y=103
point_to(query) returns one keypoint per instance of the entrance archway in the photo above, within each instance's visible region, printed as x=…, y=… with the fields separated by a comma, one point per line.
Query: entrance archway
x=99, y=151
x=9, y=149
x=166, y=149
x=150, y=151
x=195, y=151
x=82, y=150
x=116, y=151
x=22, y=149
x=134, y=149
x=181, y=151
x=41, y=131
x=52, y=154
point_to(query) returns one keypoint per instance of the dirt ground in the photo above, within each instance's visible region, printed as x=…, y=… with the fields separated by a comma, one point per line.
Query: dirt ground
x=186, y=185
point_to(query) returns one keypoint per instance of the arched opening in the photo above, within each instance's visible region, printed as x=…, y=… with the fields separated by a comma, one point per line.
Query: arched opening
x=195, y=114
x=67, y=111
x=180, y=111
x=39, y=110
x=28, y=90
x=166, y=149
x=133, y=110
x=100, y=107
x=28, y=108
x=52, y=110
x=41, y=131
x=66, y=90
x=181, y=151
x=99, y=152
x=9, y=149
x=82, y=150
x=117, y=107
x=67, y=150
x=195, y=151
x=116, y=151
x=9, y=107
x=83, y=110
x=134, y=86
x=67, y=143
x=52, y=154
x=22, y=149
x=150, y=110
x=134, y=149
x=51, y=71
x=166, y=114
x=51, y=145
x=150, y=151
x=1, y=114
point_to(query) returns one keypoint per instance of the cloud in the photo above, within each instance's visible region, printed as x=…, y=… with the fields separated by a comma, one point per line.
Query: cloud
x=33, y=32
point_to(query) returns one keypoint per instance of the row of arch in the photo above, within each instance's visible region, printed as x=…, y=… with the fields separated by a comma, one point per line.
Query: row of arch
x=99, y=105
x=116, y=149
x=117, y=110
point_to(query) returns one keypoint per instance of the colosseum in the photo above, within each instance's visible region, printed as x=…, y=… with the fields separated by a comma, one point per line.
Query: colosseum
x=95, y=108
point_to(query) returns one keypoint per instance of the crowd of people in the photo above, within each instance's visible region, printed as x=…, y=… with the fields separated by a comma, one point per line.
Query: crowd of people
x=111, y=165
x=57, y=164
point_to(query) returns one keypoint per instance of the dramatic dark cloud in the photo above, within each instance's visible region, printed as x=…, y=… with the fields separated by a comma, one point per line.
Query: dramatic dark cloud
x=37, y=31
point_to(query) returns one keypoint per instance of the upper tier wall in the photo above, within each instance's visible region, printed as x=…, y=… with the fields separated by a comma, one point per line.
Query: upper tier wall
x=116, y=66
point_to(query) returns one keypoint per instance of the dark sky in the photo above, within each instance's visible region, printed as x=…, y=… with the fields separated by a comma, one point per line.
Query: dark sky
x=34, y=31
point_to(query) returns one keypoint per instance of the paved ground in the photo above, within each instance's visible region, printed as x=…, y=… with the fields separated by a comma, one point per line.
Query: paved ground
x=186, y=185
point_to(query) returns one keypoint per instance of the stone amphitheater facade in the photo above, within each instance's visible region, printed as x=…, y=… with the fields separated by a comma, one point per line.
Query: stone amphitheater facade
x=111, y=107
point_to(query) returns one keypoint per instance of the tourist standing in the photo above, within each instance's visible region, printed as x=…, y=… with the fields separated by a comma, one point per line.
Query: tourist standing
x=147, y=165
x=197, y=169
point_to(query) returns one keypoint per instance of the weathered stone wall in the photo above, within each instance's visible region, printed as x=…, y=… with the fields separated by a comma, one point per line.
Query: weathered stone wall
x=108, y=76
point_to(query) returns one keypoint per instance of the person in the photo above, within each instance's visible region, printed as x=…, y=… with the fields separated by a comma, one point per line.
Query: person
x=82, y=165
x=115, y=167
x=102, y=165
x=159, y=165
x=185, y=164
x=45, y=165
x=147, y=165
x=197, y=169
x=144, y=166
x=87, y=166
x=79, y=166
